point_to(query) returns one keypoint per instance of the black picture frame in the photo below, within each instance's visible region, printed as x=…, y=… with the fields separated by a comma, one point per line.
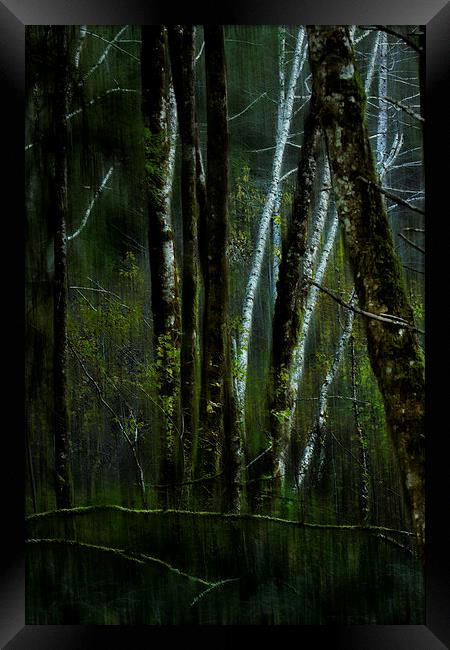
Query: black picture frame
x=14, y=16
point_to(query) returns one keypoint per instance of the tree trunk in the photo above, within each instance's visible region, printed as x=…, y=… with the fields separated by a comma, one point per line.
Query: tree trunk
x=394, y=351
x=58, y=42
x=289, y=304
x=364, y=493
x=284, y=125
x=318, y=434
x=181, y=46
x=165, y=292
x=218, y=430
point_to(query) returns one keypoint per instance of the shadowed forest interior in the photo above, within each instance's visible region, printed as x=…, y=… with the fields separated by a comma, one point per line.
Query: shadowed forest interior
x=225, y=324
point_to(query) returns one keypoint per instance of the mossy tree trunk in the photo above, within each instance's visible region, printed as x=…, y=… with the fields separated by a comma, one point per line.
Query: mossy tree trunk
x=288, y=308
x=394, y=351
x=164, y=274
x=219, y=440
x=181, y=46
x=58, y=42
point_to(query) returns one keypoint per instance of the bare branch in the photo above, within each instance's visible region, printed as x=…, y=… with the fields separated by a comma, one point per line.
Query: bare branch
x=213, y=586
x=200, y=52
x=405, y=108
x=233, y=117
x=393, y=197
x=392, y=32
x=411, y=243
x=91, y=205
x=131, y=444
x=221, y=516
x=126, y=554
x=105, y=53
x=384, y=318
x=96, y=99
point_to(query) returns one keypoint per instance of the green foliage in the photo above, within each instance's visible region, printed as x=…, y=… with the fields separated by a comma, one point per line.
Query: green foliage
x=131, y=271
x=155, y=151
x=281, y=416
x=246, y=203
x=418, y=309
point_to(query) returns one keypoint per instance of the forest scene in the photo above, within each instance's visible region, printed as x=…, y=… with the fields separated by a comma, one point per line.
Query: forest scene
x=225, y=325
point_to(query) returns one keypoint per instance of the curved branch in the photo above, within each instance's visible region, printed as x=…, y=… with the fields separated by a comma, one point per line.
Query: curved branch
x=411, y=243
x=391, y=196
x=384, y=318
x=216, y=515
x=139, y=558
x=91, y=205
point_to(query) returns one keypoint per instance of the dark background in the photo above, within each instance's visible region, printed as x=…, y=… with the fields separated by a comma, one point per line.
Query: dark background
x=14, y=14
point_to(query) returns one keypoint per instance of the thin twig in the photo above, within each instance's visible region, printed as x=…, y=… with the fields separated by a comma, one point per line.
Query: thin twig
x=113, y=44
x=384, y=318
x=193, y=482
x=258, y=457
x=391, y=196
x=411, y=243
x=233, y=117
x=92, y=101
x=106, y=51
x=139, y=558
x=91, y=204
x=213, y=586
x=405, y=108
x=392, y=32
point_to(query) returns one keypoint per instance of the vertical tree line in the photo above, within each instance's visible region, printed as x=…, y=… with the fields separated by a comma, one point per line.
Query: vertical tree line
x=58, y=46
x=167, y=346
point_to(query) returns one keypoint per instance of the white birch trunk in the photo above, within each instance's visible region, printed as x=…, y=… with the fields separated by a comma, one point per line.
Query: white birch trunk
x=276, y=243
x=260, y=245
x=384, y=162
x=308, y=453
x=172, y=137
x=382, y=113
x=371, y=68
x=281, y=75
x=170, y=279
x=311, y=300
x=276, y=225
x=77, y=56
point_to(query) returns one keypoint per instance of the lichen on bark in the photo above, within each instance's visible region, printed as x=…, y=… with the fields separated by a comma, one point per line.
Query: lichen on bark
x=394, y=352
x=164, y=273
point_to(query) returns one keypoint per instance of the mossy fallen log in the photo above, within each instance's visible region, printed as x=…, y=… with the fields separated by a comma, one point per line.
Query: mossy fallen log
x=177, y=567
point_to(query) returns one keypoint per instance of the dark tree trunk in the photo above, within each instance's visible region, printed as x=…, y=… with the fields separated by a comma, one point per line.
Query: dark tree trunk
x=202, y=205
x=288, y=312
x=218, y=430
x=58, y=43
x=394, y=351
x=181, y=45
x=164, y=275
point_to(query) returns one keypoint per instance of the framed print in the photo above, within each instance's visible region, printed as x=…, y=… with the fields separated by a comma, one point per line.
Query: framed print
x=233, y=328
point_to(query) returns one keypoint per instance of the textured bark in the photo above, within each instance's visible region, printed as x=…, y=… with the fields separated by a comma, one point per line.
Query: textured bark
x=364, y=493
x=263, y=230
x=289, y=304
x=318, y=434
x=181, y=46
x=382, y=104
x=219, y=441
x=311, y=298
x=394, y=351
x=58, y=42
x=165, y=292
